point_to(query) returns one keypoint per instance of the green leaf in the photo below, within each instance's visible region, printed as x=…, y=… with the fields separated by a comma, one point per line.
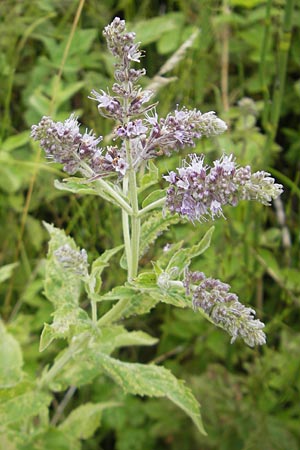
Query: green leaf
x=81, y=370
x=155, y=195
x=68, y=321
x=61, y=286
x=16, y=141
x=147, y=283
x=84, y=420
x=171, y=297
x=95, y=282
x=23, y=406
x=183, y=257
x=6, y=271
x=153, y=381
x=116, y=336
x=11, y=360
x=154, y=226
x=118, y=293
x=149, y=178
x=77, y=186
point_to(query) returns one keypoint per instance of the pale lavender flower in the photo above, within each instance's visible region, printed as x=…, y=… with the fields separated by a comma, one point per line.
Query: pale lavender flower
x=198, y=191
x=224, y=308
x=108, y=106
x=63, y=142
x=73, y=260
x=132, y=129
x=121, y=44
x=112, y=160
x=180, y=129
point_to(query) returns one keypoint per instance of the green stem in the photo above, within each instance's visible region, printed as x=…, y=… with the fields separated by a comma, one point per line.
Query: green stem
x=94, y=311
x=107, y=189
x=62, y=361
x=135, y=226
x=115, y=313
x=126, y=231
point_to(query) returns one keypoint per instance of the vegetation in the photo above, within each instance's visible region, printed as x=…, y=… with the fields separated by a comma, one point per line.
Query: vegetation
x=238, y=58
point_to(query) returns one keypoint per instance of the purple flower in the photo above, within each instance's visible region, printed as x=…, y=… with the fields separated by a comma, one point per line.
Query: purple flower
x=181, y=129
x=63, y=142
x=224, y=308
x=198, y=191
x=108, y=106
x=132, y=129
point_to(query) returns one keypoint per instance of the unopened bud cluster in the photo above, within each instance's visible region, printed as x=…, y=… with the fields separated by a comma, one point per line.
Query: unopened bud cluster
x=224, y=308
x=73, y=260
x=197, y=191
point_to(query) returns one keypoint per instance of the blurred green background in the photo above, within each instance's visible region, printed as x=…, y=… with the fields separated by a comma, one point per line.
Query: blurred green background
x=244, y=64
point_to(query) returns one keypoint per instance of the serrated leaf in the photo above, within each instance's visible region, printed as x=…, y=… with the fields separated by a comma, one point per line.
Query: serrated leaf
x=84, y=420
x=81, y=370
x=153, y=381
x=118, y=293
x=171, y=297
x=67, y=321
x=140, y=303
x=156, y=224
x=23, y=406
x=11, y=360
x=6, y=271
x=60, y=286
x=183, y=257
x=95, y=282
x=169, y=252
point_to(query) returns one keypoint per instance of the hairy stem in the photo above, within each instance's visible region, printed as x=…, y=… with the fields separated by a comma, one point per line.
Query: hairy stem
x=126, y=230
x=135, y=226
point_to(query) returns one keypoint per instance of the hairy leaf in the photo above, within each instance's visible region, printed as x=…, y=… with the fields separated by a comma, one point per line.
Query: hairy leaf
x=11, y=360
x=61, y=286
x=83, y=421
x=153, y=381
x=95, y=282
x=155, y=225
x=67, y=321
x=23, y=406
x=183, y=257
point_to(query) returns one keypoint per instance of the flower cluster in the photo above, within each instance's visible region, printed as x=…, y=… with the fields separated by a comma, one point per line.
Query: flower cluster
x=180, y=129
x=63, y=142
x=73, y=260
x=121, y=44
x=197, y=191
x=224, y=308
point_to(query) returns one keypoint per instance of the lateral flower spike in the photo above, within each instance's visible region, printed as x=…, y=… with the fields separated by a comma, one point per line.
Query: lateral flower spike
x=224, y=308
x=197, y=191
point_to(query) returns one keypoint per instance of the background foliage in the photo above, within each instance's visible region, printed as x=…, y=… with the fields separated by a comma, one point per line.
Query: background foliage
x=245, y=51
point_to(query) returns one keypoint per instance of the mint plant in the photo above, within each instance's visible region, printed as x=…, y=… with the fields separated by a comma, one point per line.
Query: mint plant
x=121, y=173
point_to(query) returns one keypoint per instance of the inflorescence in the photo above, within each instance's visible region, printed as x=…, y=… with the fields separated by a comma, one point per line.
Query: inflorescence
x=197, y=191
x=224, y=308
